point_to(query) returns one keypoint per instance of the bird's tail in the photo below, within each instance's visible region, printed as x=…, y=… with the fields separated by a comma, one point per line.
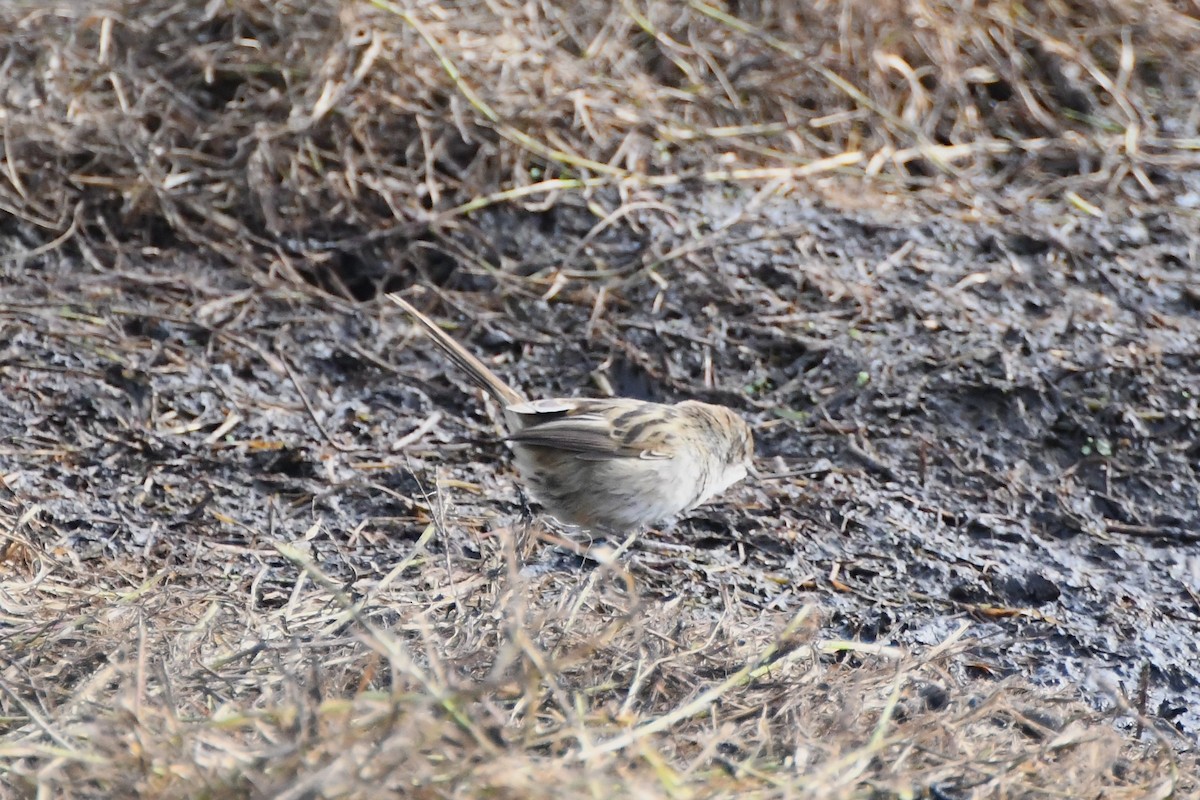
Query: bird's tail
x=475, y=369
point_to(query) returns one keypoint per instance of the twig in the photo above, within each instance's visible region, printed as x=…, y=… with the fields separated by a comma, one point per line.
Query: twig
x=309, y=407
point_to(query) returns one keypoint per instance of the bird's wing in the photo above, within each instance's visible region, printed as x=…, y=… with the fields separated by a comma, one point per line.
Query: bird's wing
x=597, y=429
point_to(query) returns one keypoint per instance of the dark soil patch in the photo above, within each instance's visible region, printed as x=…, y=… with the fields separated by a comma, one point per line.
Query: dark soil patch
x=985, y=430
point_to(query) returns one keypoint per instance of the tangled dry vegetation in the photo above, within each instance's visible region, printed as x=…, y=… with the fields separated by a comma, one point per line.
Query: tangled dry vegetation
x=349, y=132
x=352, y=147
x=442, y=679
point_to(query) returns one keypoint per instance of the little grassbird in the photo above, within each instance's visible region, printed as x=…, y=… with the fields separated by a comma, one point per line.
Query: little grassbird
x=611, y=464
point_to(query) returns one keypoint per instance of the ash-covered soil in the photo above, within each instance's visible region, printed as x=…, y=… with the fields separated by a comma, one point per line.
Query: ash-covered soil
x=978, y=423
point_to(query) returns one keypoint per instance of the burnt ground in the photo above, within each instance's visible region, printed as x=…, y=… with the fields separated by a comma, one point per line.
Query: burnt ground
x=255, y=541
x=984, y=423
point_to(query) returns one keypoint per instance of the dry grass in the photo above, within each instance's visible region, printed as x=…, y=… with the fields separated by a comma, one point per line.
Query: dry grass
x=279, y=136
x=439, y=680
x=271, y=130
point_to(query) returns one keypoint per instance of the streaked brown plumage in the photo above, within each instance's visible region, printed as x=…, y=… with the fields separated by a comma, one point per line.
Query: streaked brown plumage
x=611, y=464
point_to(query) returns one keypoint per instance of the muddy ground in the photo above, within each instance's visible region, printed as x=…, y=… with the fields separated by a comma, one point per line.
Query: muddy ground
x=986, y=423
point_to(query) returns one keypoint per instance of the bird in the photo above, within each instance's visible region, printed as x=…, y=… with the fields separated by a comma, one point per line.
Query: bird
x=610, y=465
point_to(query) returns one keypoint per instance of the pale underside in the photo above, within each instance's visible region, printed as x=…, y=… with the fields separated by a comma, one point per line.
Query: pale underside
x=616, y=464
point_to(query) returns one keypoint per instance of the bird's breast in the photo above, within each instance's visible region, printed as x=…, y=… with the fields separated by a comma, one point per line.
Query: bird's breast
x=616, y=494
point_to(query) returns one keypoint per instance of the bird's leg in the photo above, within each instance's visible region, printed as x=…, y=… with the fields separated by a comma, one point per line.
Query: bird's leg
x=527, y=514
